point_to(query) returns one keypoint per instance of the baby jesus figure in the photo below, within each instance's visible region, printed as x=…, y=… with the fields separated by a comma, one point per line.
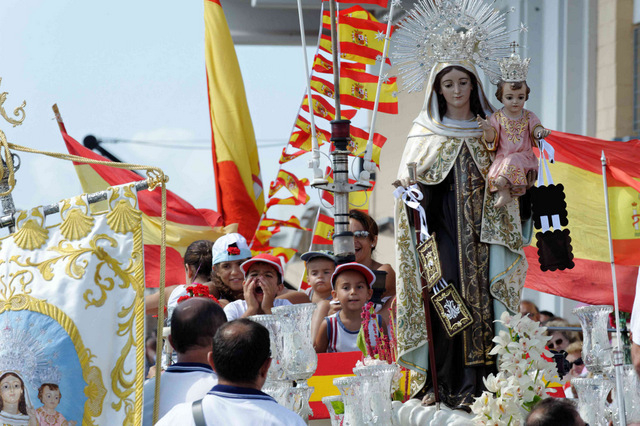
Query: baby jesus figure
x=512, y=132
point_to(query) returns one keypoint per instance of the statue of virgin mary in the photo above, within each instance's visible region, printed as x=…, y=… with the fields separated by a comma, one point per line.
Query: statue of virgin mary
x=480, y=246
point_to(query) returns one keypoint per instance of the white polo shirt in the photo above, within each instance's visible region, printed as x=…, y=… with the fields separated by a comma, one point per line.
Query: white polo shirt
x=181, y=382
x=234, y=406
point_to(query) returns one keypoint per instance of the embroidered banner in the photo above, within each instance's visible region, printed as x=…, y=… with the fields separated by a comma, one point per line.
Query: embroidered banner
x=72, y=314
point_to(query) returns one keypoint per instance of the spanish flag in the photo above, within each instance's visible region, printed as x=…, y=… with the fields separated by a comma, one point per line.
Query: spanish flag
x=285, y=253
x=323, y=65
x=352, y=12
x=358, y=144
x=185, y=224
x=322, y=108
x=578, y=167
x=235, y=154
x=381, y=3
x=361, y=38
x=350, y=52
x=358, y=89
x=323, y=233
x=290, y=181
x=322, y=86
x=285, y=157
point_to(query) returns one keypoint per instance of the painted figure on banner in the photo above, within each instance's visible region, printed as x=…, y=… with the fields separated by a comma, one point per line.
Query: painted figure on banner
x=49, y=394
x=15, y=404
x=480, y=244
x=512, y=132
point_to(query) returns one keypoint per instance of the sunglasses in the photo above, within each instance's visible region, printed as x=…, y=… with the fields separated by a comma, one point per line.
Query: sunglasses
x=361, y=234
x=557, y=342
x=576, y=362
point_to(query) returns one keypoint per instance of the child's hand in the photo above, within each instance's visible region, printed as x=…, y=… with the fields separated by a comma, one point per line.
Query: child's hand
x=334, y=307
x=249, y=289
x=484, y=124
x=542, y=133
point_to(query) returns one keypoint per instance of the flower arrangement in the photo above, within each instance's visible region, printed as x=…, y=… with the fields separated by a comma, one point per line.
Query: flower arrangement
x=198, y=290
x=525, y=373
x=385, y=350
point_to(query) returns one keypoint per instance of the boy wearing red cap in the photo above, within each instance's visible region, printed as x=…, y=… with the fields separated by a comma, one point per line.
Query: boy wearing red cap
x=263, y=281
x=351, y=283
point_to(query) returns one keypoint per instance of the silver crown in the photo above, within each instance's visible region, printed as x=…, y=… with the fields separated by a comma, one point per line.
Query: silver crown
x=449, y=31
x=23, y=352
x=514, y=69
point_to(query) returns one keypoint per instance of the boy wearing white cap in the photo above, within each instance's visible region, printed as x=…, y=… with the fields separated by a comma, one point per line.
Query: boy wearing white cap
x=351, y=284
x=262, y=283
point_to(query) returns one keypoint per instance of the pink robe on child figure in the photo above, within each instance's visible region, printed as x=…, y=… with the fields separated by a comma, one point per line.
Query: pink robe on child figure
x=514, y=154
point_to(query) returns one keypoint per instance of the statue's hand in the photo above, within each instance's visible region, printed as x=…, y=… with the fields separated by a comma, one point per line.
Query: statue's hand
x=542, y=133
x=402, y=182
x=484, y=124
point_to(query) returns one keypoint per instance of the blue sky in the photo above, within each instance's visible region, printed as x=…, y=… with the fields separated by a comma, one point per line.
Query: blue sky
x=127, y=70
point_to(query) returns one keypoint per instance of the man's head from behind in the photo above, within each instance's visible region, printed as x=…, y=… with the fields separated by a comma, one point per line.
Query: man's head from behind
x=241, y=353
x=528, y=308
x=194, y=323
x=554, y=411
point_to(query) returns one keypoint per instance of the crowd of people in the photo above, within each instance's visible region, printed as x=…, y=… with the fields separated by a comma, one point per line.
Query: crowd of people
x=222, y=358
x=206, y=330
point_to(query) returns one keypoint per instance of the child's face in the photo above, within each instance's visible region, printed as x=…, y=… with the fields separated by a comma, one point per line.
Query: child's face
x=513, y=99
x=266, y=276
x=50, y=397
x=352, y=290
x=319, y=273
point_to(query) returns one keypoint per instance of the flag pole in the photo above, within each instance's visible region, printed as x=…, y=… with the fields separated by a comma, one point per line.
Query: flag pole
x=618, y=354
x=369, y=166
x=314, y=163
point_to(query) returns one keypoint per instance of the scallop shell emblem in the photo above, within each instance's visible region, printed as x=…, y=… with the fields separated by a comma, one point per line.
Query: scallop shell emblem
x=31, y=235
x=76, y=224
x=123, y=217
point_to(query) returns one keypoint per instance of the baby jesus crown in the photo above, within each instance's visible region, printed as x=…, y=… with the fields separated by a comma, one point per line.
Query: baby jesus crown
x=513, y=69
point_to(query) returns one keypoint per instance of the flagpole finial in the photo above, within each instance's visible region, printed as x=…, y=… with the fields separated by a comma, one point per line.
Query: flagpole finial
x=603, y=158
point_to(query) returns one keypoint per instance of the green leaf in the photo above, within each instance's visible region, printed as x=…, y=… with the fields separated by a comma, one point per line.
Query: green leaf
x=338, y=407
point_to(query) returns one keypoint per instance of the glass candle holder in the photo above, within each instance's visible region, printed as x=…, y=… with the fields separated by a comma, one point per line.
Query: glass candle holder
x=596, y=348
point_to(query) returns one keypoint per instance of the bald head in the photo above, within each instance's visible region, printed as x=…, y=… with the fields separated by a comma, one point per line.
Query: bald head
x=528, y=308
x=554, y=411
x=194, y=323
x=240, y=349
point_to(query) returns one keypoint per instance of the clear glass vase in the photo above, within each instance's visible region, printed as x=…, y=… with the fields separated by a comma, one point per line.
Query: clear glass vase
x=298, y=401
x=295, y=326
x=379, y=392
x=277, y=370
x=631, y=393
x=592, y=398
x=278, y=390
x=596, y=347
x=336, y=419
x=357, y=400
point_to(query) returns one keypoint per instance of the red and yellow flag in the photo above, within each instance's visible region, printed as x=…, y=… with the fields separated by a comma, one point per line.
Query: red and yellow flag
x=285, y=253
x=235, y=154
x=358, y=144
x=185, y=224
x=322, y=86
x=578, y=167
x=285, y=157
x=322, y=108
x=361, y=38
x=381, y=3
x=292, y=222
x=323, y=234
x=358, y=89
x=290, y=181
x=348, y=51
x=323, y=65
x=352, y=12
x=624, y=199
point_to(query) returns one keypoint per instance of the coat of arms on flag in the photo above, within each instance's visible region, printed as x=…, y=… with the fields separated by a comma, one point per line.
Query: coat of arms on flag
x=72, y=313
